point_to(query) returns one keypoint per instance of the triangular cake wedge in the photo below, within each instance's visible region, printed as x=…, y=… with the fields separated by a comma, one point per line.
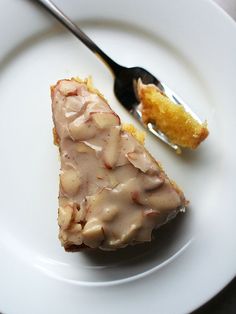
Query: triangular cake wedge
x=112, y=192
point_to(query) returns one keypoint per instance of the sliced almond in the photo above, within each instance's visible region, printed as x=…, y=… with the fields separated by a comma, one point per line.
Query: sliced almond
x=93, y=234
x=83, y=148
x=105, y=119
x=65, y=216
x=68, y=88
x=74, y=235
x=81, y=129
x=142, y=161
x=75, y=228
x=111, y=150
x=126, y=238
x=70, y=181
x=164, y=199
x=152, y=182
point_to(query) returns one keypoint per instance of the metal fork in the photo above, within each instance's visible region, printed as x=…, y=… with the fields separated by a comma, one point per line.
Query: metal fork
x=125, y=79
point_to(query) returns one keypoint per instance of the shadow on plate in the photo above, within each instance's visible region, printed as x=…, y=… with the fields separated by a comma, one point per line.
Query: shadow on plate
x=168, y=240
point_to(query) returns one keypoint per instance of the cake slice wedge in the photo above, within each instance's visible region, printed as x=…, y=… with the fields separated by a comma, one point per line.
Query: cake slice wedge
x=112, y=191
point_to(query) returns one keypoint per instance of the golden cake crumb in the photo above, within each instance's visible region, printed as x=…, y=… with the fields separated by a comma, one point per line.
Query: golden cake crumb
x=171, y=119
x=89, y=83
x=139, y=135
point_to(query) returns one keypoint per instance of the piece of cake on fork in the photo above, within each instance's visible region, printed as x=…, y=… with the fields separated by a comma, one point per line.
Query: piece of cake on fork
x=170, y=118
x=112, y=191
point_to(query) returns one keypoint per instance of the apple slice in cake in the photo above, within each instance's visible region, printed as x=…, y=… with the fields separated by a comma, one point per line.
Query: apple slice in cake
x=112, y=192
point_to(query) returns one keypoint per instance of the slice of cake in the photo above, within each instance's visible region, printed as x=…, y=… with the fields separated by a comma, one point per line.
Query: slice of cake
x=112, y=192
x=171, y=119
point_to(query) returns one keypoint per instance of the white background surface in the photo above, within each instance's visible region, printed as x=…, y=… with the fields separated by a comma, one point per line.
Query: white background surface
x=194, y=257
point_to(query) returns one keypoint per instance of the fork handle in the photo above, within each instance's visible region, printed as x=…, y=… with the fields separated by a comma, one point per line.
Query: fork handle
x=59, y=15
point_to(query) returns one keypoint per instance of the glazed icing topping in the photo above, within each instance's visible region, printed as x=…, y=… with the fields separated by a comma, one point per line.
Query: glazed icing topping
x=112, y=192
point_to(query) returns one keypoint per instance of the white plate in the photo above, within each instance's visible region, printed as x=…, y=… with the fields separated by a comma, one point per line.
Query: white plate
x=191, y=46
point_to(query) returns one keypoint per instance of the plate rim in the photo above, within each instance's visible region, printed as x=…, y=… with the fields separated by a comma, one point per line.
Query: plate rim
x=232, y=23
